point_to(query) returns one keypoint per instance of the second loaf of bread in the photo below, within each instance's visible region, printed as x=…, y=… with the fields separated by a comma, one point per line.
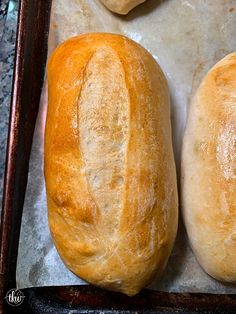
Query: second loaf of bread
x=209, y=171
x=109, y=167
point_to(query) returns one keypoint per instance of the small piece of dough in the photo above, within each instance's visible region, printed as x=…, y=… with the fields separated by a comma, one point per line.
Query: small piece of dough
x=109, y=166
x=122, y=6
x=209, y=172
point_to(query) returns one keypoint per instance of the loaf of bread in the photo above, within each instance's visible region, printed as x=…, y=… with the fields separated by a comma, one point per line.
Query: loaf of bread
x=109, y=167
x=121, y=6
x=209, y=172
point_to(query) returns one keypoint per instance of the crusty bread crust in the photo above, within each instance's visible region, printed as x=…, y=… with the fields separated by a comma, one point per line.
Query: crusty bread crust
x=109, y=167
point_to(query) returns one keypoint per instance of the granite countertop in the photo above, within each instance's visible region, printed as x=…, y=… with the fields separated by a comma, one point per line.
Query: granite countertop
x=8, y=21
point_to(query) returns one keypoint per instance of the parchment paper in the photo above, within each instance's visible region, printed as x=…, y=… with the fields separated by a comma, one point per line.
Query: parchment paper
x=186, y=37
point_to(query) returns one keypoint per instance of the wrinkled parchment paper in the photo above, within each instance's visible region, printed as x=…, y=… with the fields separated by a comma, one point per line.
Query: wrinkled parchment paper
x=186, y=37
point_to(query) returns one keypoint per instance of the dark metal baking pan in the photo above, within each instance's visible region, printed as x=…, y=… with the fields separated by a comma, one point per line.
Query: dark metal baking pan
x=31, y=52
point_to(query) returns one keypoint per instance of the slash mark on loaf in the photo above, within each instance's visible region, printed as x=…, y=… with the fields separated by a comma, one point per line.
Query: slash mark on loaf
x=103, y=119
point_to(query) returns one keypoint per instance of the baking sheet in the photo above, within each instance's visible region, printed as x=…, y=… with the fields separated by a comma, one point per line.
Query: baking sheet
x=186, y=37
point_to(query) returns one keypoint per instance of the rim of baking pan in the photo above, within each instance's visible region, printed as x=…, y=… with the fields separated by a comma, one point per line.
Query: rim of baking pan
x=29, y=69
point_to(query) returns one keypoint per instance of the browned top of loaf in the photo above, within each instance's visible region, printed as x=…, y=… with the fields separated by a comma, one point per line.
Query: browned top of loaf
x=109, y=166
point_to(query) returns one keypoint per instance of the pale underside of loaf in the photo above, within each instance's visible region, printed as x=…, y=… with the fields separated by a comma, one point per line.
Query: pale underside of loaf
x=121, y=6
x=109, y=166
x=209, y=171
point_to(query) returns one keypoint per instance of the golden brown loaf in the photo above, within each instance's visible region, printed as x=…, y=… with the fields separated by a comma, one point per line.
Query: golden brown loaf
x=109, y=167
x=209, y=171
x=121, y=6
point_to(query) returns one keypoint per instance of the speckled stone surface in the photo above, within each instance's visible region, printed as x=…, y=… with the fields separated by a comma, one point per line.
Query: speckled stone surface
x=8, y=21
